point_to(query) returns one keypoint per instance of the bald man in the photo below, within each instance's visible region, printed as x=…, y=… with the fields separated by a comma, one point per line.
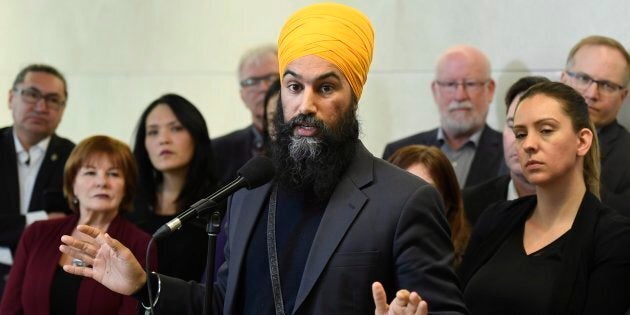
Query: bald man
x=463, y=90
x=334, y=220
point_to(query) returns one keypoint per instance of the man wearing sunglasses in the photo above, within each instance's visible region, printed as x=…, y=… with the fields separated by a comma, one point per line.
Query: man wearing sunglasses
x=32, y=157
x=599, y=68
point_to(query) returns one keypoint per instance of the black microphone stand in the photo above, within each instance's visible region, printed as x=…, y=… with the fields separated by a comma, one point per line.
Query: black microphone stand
x=213, y=229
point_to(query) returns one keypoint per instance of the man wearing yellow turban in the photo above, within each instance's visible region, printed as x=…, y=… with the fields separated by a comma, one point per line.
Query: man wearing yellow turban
x=334, y=220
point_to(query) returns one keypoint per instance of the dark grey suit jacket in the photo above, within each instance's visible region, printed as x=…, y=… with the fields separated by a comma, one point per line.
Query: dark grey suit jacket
x=232, y=151
x=487, y=163
x=614, y=141
x=47, y=189
x=381, y=224
x=479, y=197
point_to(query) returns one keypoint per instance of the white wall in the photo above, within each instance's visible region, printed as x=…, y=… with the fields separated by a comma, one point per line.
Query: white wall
x=119, y=55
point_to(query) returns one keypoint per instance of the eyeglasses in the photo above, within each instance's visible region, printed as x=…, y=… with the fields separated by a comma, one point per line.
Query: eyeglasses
x=583, y=81
x=451, y=87
x=254, y=81
x=32, y=96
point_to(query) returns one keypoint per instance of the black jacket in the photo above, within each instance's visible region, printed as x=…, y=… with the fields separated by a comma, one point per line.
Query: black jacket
x=595, y=273
x=487, y=163
x=614, y=142
x=47, y=192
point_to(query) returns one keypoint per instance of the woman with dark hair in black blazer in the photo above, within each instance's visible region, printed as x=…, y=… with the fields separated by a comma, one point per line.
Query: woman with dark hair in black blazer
x=174, y=155
x=560, y=251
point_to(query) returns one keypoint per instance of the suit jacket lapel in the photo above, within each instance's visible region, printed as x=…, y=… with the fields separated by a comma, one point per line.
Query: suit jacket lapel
x=9, y=177
x=247, y=208
x=50, y=163
x=607, y=137
x=345, y=204
x=488, y=152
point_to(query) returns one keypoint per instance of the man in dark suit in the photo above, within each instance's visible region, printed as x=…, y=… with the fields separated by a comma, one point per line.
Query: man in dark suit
x=334, y=220
x=599, y=68
x=463, y=91
x=32, y=157
x=505, y=187
x=257, y=70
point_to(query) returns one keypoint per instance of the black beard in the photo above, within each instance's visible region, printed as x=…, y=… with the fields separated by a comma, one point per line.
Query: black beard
x=313, y=165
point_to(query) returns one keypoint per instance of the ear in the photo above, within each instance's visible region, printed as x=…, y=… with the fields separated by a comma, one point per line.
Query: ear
x=242, y=93
x=10, y=99
x=624, y=93
x=492, y=86
x=434, y=91
x=584, y=141
x=563, y=77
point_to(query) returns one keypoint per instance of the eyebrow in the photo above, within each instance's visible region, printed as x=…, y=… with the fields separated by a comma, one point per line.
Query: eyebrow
x=32, y=87
x=540, y=122
x=170, y=123
x=320, y=77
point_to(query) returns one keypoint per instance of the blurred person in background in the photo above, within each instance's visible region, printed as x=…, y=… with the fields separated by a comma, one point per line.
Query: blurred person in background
x=99, y=184
x=430, y=164
x=32, y=157
x=174, y=155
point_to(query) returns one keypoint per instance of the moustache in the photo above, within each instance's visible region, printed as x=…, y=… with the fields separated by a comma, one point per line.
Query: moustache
x=455, y=105
x=306, y=120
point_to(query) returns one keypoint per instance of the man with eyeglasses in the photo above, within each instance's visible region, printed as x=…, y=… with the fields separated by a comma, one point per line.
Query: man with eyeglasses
x=32, y=157
x=463, y=90
x=257, y=70
x=599, y=68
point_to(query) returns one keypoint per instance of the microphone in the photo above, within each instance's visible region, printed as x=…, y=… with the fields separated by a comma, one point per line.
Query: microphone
x=256, y=172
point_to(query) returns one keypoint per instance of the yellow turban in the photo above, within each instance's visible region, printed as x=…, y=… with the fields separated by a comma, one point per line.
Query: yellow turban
x=337, y=33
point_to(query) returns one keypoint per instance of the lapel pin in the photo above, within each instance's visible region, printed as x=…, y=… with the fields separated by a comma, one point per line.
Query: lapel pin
x=54, y=157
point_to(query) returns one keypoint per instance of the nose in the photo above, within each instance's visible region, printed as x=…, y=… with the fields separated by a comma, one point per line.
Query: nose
x=101, y=179
x=308, y=104
x=591, y=91
x=529, y=144
x=265, y=84
x=40, y=105
x=460, y=92
x=164, y=137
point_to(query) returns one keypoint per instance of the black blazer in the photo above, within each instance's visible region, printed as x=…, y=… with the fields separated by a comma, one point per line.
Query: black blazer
x=478, y=197
x=232, y=151
x=595, y=273
x=381, y=224
x=487, y=163
x=614, y=142
x=47, y=192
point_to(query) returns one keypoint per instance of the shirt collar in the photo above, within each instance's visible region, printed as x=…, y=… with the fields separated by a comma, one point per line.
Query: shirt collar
x=474, y=139
x=41, y=145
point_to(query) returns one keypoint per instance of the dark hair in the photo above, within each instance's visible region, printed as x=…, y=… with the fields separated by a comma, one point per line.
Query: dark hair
x=200, y=178
x=519, y=87
x=445, y=182
x=119, y=155
x=40, y=68
x=574, y=105
x=274, y=89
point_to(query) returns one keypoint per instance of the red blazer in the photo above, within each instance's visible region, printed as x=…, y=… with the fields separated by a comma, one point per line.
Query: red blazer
x=37, y=257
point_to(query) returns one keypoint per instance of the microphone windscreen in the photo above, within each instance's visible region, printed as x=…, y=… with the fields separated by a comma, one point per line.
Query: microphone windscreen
x=257, y=171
